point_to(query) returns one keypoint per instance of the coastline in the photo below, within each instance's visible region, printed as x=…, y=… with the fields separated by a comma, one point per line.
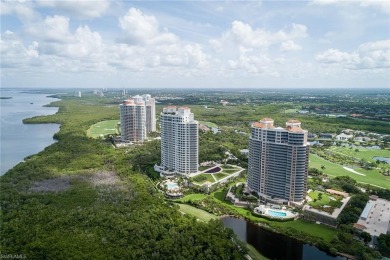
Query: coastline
x=21, y=140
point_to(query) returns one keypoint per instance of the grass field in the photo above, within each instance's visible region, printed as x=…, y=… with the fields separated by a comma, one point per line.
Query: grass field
x=363, y=153
x=373, y=177
x=193, y=197
x=198, y=213
x=208, y=124
x=103, y=128
x=310, y=228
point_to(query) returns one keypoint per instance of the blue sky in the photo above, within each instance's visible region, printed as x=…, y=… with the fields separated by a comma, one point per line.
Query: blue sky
x=190, y=44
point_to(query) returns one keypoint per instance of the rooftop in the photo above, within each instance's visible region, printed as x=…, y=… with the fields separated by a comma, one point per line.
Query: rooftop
x=376, y=217
x=261, y=125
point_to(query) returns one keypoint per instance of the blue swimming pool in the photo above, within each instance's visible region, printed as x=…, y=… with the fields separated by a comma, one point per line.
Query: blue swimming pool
x=276, y=213
x=172, y=186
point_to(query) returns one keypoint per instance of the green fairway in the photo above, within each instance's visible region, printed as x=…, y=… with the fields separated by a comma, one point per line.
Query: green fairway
x=363, y=153
x=198, y=213
x=103, y=128
x=310, y=228
x=373, y=177
x=208, y=124
x=193, y=197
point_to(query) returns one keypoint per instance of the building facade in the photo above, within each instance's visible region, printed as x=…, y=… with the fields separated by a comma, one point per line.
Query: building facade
x=278, y=161
x=150, y=104
x=133, y=121
x=179, y=140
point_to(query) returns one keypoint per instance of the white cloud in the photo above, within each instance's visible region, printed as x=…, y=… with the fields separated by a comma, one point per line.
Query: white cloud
x=138, y=27
x=148, y=47
x=13, y=52
x=248, y=49
x=242, y=34
x=290, y=46
x=143, y=29
x=371, y=55
x=381, y=5
x=80, y=9
x=22, y=9
x=53, y=28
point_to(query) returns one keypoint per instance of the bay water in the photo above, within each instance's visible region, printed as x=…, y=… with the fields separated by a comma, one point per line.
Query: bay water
x=18, y=140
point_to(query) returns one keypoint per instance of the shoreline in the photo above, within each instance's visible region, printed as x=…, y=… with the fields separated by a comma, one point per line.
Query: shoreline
x=25, y=121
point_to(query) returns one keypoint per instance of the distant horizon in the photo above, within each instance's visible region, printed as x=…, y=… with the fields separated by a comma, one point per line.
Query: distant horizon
x=193, y=44
x=243, y=89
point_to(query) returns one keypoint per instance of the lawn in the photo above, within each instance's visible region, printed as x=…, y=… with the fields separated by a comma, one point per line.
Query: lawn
x=193, y=197
x=314, y=195
x=373, y=177
x=208, y=178
x=230, y=170
x=310, y=228
x=363, y=153
x=198, y=213
x=202, y=168
x=208, y=124
x=103, y=128
x=220, y=175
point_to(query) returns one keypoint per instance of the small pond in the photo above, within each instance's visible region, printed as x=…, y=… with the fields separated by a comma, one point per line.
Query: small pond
x=273, y=245
x=386, y=159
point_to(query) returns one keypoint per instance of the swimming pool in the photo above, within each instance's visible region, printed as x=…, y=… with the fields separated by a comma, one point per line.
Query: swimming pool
x=172, y=186
x=276, y=213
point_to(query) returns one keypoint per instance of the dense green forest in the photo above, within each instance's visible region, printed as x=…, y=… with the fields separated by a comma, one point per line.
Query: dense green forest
x=80, y=198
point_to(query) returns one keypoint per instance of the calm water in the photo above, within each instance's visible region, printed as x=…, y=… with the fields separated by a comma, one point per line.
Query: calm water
x=272, y=245
x=17, y=139
x=386, y=159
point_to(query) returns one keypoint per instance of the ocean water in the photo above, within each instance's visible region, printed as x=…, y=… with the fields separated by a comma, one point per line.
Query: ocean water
x=18, y=140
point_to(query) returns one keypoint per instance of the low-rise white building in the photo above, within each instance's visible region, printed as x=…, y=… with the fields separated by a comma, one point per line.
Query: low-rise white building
x=375, y=218
x=343, y=137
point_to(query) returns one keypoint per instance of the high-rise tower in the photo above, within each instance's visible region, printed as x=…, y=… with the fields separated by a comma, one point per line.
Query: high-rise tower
x=179, y=140
x=150, y=104
x=133, y=121
x=278, y=160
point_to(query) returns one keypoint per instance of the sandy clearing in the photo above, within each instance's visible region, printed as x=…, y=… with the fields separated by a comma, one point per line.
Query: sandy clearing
x=353, y=171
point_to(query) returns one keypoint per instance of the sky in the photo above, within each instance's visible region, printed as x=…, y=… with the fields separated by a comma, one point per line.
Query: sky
x=195, y=44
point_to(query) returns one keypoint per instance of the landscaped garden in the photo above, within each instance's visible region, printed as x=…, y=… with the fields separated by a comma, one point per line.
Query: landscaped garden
x=323, y=201
x=202, y=178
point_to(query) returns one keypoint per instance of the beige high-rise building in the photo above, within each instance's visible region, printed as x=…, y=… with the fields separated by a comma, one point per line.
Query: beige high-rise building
x=179, y=140
x=278, y=161
x=133, y=120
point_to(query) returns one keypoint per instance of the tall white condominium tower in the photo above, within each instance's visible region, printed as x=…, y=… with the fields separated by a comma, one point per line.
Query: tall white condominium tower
x=179, y=140
x=133, y=126
x=278, y=161
x=150, y=113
